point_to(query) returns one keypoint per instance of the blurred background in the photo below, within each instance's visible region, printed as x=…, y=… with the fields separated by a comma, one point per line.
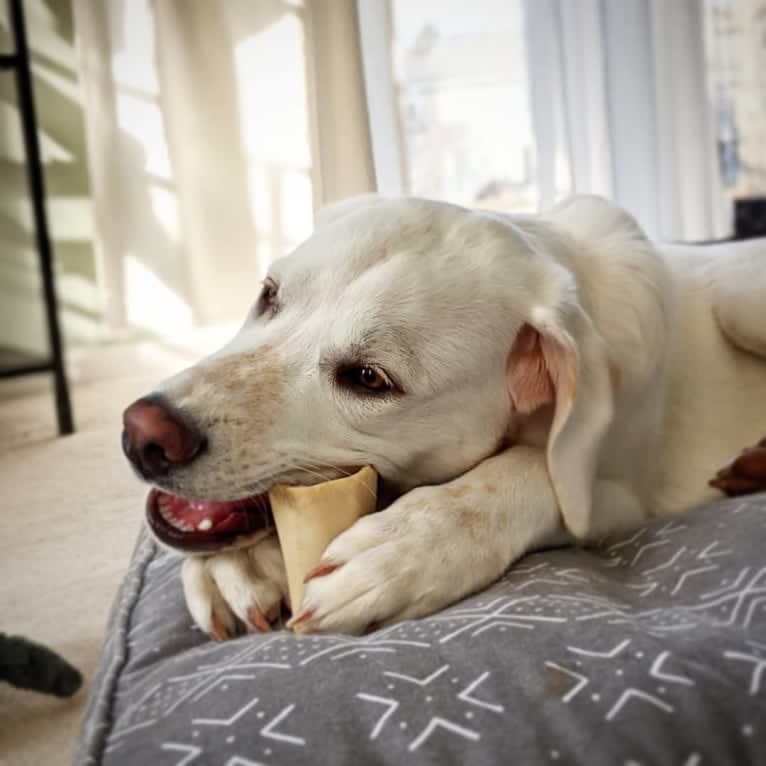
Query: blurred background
x=186, y=144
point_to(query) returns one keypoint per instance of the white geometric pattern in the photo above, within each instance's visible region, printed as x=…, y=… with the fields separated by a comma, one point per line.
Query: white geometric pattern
x=190, y=752
x=466, y=695
x=440, y=723
x=269, y=729
x=643, y=632
x=758, y=667
x=391, y=706
x=226, y=721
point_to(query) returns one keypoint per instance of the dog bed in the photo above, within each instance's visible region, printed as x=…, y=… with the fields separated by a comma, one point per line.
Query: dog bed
x=650, y=649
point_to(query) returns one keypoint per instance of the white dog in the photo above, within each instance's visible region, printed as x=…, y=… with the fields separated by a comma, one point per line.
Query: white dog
x=517, y=382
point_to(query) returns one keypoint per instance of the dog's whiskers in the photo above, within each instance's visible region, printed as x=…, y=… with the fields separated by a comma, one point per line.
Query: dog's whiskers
x=322, y=470
x=323, y=464
x=304, y=468
x=349, y=475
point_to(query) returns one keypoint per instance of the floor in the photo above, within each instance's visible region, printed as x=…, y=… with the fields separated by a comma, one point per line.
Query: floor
x=70, y=513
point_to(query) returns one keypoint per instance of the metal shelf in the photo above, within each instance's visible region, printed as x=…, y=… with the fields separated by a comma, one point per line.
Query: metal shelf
x=18, y=63
x=14, y=363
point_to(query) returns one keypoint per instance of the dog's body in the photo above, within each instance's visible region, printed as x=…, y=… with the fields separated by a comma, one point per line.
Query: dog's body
x=714, y=402
x=517, y=383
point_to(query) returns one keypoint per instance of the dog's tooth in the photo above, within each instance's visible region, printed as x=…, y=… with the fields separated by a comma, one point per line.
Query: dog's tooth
x=205, y=525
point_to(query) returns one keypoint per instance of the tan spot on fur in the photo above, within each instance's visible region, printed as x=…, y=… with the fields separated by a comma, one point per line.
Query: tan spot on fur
x=251, y=383
x=474, y=521
x=615, y=376
x=457, y=491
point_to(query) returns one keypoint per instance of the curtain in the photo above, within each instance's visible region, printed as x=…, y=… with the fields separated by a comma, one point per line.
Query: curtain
x=620, y=108
x=615, y=102
x=215, y=129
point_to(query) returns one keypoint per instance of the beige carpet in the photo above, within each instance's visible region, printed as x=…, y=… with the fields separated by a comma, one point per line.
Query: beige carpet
x=69, y=514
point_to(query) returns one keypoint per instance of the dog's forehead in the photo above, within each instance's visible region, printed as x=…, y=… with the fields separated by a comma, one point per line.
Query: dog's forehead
x=342, y=250
x=396, y=276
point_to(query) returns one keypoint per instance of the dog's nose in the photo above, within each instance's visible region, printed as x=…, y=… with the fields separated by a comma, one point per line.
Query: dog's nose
x=156, y=438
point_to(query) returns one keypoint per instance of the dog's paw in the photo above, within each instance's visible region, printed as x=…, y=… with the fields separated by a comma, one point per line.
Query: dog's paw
x=238, y=590
x=387, y=567
x=745, y=474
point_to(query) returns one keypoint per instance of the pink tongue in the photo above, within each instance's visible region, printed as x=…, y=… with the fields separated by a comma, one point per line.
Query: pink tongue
x=224, y=517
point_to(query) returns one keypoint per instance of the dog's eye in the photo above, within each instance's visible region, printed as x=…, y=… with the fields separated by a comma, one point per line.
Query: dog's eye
x=267, y=301
x=367, y=377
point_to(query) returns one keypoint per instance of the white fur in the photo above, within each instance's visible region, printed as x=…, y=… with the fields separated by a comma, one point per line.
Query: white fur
x=227, y=586
x=666, y=347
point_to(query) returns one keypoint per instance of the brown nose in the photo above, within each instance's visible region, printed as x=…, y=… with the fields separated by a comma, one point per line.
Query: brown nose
x=157, y=438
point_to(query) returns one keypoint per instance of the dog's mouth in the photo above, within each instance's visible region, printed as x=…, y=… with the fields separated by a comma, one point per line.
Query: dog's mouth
x=204, y=526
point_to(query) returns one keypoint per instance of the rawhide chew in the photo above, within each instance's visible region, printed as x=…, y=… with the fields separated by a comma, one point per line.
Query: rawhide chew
x=308, y=519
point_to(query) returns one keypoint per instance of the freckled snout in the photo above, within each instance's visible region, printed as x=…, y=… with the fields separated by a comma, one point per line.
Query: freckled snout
x=156, y=438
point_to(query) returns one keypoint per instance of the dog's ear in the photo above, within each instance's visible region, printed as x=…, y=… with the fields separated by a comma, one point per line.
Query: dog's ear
x=560, y=359
x=335, y=210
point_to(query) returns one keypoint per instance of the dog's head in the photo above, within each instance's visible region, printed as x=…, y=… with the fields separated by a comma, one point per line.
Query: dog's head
x=409, y=335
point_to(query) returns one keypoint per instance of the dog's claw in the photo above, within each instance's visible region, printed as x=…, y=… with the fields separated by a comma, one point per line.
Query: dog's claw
x=300, y=623
x=322, y=569
x=257, y=619
x=218, y=631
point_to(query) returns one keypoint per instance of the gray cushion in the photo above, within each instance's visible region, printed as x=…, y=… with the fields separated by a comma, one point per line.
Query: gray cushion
x=649, y=650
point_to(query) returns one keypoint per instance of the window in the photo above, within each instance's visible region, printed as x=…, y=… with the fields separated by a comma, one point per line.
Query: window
x=514, y=104
x=461, y=81
x=735, y=33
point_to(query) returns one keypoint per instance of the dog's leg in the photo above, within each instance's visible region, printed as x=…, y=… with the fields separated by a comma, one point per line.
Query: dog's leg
x=740, y=302
x=233, y=588
x=434, y=545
